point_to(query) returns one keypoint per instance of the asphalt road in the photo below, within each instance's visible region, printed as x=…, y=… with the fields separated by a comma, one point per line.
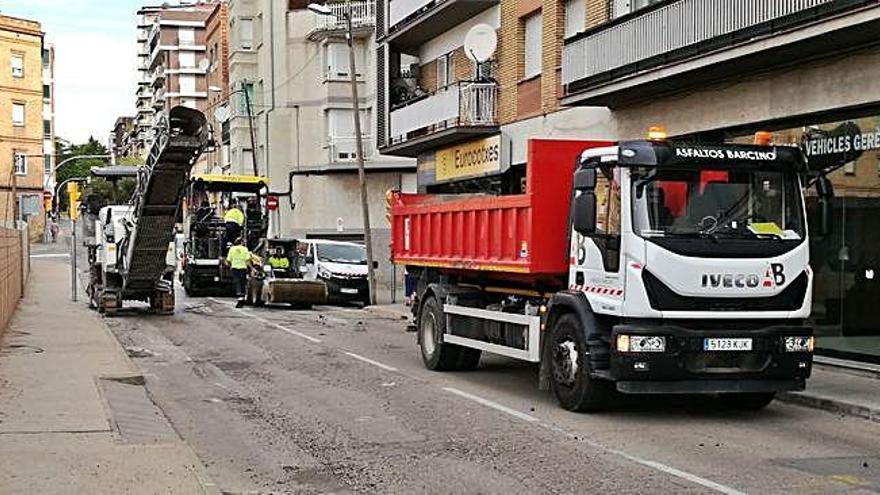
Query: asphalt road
x=337, y=400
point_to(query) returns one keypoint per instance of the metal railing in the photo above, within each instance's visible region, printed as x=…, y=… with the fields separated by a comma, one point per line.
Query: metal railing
x=459, y=104
x=363, y=14
x=671, y=27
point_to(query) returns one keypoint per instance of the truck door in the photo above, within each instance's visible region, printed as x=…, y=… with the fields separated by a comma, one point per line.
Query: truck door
x=596, y=256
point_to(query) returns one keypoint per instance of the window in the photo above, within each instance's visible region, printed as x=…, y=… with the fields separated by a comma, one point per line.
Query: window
x=575, y=17
x=47, y=164
x=246, y=34
x=19, y=158
x=247, y=159
x=186, y=36
x=445, y=71
x=337, y=61
x=340, y=126
x=623, y=7
x=187, y=60
x=18, y=114
x=189, y=102
x=17, y=62
x=532, y=39
x=47, y=128
x=187, y=84
x=47, y=92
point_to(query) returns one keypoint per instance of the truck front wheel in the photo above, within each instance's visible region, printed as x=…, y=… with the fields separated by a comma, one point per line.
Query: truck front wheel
x=437, y=355
x=572, y=384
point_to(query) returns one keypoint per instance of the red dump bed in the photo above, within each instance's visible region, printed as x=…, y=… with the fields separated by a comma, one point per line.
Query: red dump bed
x=522, y=234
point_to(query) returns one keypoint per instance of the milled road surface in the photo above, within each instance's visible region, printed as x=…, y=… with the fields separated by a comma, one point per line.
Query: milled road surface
x=337, y=400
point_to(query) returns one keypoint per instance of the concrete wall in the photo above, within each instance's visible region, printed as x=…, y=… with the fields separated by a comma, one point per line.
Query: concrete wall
x=572, y=123
x=846, y=80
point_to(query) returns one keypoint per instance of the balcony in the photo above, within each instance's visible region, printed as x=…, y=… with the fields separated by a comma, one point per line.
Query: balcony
x=157, y=78
x=363, y=20
x=456, y=113
x=688, y=43
x=412, y=22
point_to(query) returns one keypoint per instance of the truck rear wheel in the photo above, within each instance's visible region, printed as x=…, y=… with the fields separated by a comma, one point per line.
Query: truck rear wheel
x=437, y=355
x=572, y=384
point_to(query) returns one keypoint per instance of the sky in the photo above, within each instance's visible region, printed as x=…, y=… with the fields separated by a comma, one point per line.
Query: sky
x=95, y=60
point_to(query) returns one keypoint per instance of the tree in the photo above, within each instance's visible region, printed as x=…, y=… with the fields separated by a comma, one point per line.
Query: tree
x=76, y=168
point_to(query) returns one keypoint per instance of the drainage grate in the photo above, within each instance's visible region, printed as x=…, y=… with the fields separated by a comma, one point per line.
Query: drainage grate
x=135, y=417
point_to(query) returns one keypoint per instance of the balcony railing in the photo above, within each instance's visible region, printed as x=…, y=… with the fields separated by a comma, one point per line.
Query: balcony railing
x=458, y=105
x=671, y=28
x=363, y=14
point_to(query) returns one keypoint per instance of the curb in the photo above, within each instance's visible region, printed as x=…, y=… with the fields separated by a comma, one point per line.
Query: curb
x=829, y=404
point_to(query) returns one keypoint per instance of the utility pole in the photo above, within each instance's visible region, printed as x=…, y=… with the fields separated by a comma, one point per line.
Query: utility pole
x=359, y=145
x=247, y=104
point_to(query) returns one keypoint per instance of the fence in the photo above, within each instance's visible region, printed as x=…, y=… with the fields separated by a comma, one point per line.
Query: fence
x=14, y=270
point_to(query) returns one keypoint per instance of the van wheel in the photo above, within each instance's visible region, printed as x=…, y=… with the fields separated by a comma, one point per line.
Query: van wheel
x=574, y=388
x=439, y=356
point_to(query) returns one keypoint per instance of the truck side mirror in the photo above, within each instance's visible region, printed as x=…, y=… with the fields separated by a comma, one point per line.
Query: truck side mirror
x=585, y=213
x=585, y=179
x=825, y=191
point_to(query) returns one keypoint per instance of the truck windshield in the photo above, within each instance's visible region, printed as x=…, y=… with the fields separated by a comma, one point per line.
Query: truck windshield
x=738, y=204
x=342, y=253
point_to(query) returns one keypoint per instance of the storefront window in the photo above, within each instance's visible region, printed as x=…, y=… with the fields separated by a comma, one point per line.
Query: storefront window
x=846, y=262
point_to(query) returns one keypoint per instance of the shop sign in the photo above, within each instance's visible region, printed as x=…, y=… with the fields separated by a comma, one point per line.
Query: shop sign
x=472, y=159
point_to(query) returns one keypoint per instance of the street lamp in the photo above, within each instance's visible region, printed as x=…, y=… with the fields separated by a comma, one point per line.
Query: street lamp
x=247, y=104
x=324, y=10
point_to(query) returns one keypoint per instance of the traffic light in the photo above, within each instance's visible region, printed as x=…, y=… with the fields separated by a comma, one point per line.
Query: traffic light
x=73, y=195
x=389, y=198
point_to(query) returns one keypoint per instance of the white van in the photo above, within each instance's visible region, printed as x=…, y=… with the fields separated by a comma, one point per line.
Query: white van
x=341, y=265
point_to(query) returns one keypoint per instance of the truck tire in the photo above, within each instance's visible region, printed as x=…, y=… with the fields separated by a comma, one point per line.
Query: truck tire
x=111, y=303
x=440, y=356
x=746, y=401
x=572, y=384
x=188, y=286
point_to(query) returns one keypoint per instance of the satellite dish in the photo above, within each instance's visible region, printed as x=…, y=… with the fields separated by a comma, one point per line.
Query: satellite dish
x=480, y=43
x=221, y=113
x=204, y=64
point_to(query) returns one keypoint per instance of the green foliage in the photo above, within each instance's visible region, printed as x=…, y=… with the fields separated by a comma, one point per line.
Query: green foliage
x=76, y=168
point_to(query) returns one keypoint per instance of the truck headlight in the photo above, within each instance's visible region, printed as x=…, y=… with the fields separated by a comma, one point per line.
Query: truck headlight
x=641, y=343
x=799, y=344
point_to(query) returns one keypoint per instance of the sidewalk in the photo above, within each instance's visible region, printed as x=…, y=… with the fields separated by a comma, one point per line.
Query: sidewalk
x=831, y=387
x=74, y=415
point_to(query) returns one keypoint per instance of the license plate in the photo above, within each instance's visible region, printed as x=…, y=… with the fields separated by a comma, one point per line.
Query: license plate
x=727, y=344
x=346, y=290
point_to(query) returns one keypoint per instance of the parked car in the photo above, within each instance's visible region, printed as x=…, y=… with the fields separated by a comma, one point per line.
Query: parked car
x=341, y=265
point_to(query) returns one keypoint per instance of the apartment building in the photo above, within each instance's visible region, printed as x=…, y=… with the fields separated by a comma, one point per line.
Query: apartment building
x=435, y=102
x=809, y=71
x=21, y=127
x=48, y=117
x=295, y=65
x=172, y=60
x=217, y=39
x=122, y=137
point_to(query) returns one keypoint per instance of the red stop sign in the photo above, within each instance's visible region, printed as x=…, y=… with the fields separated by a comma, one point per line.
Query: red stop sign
x=271, y=202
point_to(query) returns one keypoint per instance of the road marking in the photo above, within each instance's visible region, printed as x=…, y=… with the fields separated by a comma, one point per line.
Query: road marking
x=268, y=322
x=659, y=466
x=370, y=361
x=51, y=255
x=493, y=405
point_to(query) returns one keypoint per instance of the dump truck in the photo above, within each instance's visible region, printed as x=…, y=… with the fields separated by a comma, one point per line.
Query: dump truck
x=634, y=267
x=134, y=255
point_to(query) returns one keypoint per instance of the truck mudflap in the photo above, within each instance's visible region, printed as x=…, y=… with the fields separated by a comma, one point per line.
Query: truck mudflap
x=685, y=360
